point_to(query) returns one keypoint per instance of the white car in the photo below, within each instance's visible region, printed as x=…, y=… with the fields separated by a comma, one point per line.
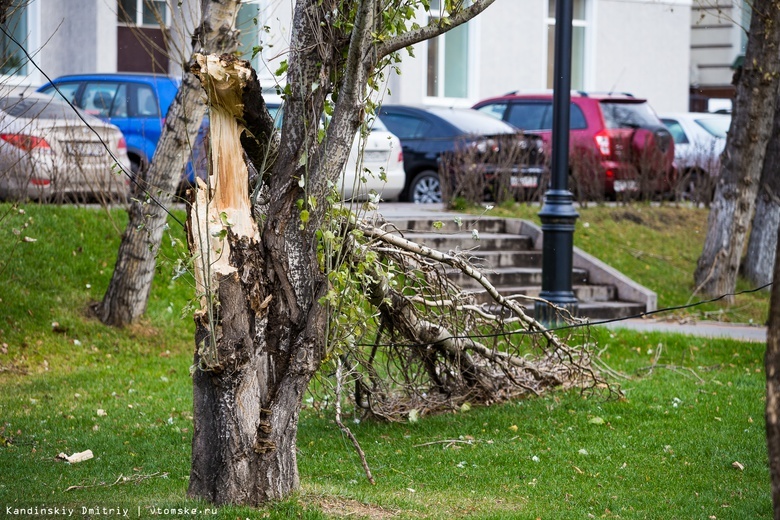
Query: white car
x=699, y=140
x=49, y=151
x=375, y=167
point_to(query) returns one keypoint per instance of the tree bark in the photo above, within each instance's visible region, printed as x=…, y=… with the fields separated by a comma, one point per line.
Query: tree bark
x=760, y=256
x=261, y=340
x=772, y=364
x=751, y=126
x=128, y=292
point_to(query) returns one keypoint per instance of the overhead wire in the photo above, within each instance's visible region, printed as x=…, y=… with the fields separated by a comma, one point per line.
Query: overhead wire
x=481, y=336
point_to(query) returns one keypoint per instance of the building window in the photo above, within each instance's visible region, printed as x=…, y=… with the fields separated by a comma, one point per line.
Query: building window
x=448, y=59
x=142, y=45
x=149, y=13
x=12, y=60
x=579, y=26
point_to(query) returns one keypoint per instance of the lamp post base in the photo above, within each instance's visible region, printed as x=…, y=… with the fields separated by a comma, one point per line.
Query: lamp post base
x=556, y=309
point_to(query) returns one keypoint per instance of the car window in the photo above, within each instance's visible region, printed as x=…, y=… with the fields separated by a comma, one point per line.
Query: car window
x=471, y=122
x=36, y=108
x=67, y=91
x=119, y=109
x=496, y=110
x=98, y=98
x=576, y=118
x=537, y=115
x=676, y=129
x=628, y=115
x=528, y=115
x=406, y=126
x=146, y=102
x=716, y=126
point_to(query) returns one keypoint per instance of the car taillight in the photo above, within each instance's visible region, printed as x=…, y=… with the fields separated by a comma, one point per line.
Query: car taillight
x=604, y=143
x=122, y=144
x=400, y=156
x=25, y=142
x=35, y=181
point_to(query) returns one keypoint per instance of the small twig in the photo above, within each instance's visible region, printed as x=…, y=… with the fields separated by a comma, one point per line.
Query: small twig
x=345, y=429
x=121, y=479
x=673, y=368
x=448, y=442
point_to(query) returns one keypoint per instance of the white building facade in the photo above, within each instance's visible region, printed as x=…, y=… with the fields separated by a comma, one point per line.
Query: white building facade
x=637, y=46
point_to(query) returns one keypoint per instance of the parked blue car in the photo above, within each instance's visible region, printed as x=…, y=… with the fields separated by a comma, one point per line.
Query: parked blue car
x=137, y=104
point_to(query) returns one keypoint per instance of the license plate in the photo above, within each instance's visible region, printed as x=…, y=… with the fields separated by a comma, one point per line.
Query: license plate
x=526, y=181
x=375, y=156
x=84, y=149
x=621, y=186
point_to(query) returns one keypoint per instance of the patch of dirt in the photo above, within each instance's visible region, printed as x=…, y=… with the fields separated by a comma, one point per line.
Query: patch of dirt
x=629, y=215
x=348, y=508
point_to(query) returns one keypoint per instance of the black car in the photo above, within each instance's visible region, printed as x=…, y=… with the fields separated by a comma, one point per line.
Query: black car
x=464, y=143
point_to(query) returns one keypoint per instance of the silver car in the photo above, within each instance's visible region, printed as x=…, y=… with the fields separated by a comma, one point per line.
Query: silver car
x=50, y=152
x=699, y=140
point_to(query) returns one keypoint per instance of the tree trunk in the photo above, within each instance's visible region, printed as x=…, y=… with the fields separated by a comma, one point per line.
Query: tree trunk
x=772, y=364
x=751, y=126
x=128, y=292
x=763, y=234
x=260, y=337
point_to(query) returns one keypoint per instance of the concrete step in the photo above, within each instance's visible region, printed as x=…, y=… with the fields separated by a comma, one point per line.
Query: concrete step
x=583, y=292
x=465, y=242
x=467, y=223
x=512, y=276
x=495, y=259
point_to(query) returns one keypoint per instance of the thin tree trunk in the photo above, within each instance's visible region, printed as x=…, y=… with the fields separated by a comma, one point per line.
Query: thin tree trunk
x=751, y=126
x=128, y=292
x=760, y=256
x=772, y=364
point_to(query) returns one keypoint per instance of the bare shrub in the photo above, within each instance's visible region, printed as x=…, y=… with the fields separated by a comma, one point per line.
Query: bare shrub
x=496, y=169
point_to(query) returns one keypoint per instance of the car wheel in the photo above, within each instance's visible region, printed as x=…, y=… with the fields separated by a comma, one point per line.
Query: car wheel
x=696, y=187
x=425, y=188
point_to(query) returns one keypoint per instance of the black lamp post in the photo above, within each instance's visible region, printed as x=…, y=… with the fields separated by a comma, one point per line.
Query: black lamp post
x=558, y=214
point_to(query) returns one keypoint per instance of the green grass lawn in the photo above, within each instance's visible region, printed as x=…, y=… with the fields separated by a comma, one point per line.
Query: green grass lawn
x=686, y=442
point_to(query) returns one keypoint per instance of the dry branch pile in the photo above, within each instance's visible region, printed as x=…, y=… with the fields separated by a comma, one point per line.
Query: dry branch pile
x=428, y=346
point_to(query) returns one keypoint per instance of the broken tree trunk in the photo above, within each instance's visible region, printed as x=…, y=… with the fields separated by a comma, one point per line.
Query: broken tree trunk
x=259, y=335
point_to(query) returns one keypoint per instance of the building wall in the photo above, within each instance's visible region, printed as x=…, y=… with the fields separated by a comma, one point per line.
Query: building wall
x=631, y=45
x=639, y=47
x=77, y=43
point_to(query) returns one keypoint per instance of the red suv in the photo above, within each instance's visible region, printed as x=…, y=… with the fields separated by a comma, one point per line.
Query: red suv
x=617, y=143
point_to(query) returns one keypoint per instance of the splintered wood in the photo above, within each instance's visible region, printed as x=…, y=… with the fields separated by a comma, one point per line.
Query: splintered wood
x=222, y=206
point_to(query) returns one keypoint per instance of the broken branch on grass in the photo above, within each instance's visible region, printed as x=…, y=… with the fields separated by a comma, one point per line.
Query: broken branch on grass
x=344, y=428
x=121, y=479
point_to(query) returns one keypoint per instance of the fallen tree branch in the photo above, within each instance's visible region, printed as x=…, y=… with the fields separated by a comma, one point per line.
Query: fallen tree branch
x=121, y=480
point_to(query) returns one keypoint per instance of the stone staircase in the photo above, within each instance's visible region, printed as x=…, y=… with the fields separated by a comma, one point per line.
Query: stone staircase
x=509, y=252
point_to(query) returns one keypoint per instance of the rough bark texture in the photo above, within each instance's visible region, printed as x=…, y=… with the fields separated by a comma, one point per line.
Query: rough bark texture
x=262, y=339
x=751, y=126
x=128, y=292
x=772, y=364
x=760, y=256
